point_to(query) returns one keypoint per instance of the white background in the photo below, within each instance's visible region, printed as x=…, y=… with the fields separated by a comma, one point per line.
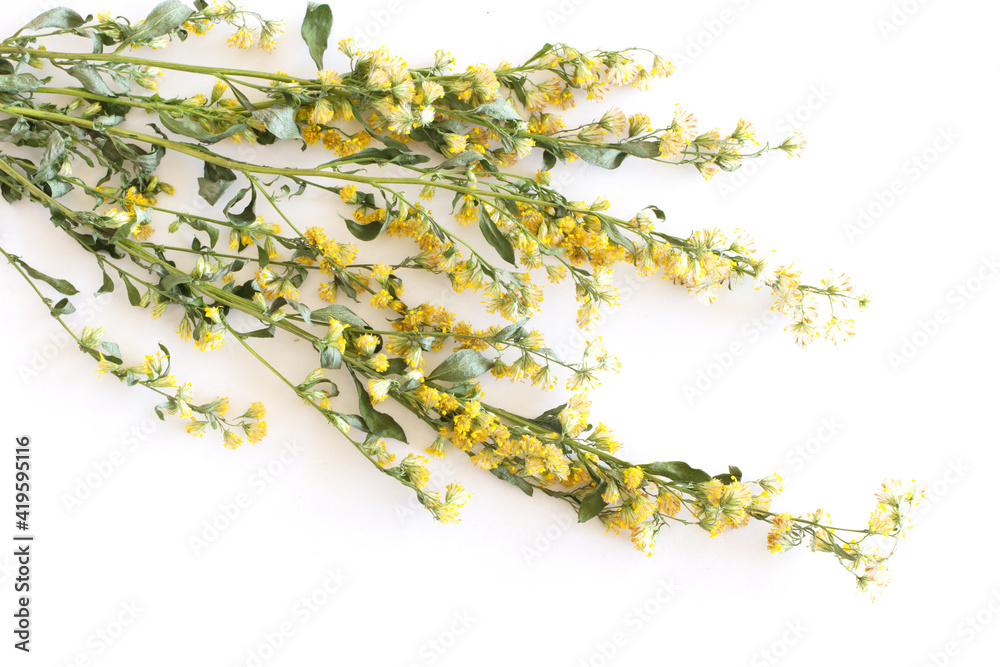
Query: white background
x=518, y=580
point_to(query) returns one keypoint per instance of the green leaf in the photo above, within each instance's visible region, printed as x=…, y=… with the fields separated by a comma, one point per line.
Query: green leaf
x=248, y=214
x=550, y=419
x=60, y=285
x=107, y=286
x=191, y=128
x=508, y=476
x=495, y=237
x=677, y=471
x=58, y=17
x=727, y=477
x=266, y=332
x=238, y=94
x=279, y=120
x=645, y=149
x=366, y=232
x=604, y=157
x=165, y=18
x=513, y=332
x=316, y=27
x=214, y=184
x=616, y=236
x=19, y=83
x=62, y=307
x=52, y=158
x=462, y=159
x=172, y=280
x=302, y=309
x=91, y=79
x=548, y=160
x=13, y=130
x=499, y=110
x=397, y=366
x=379, y=424
x=379, y=156
x=461, y=366
x=133, y=293
x=592, y=504
x=330, y=357
x=342, y=313
x=660, y=215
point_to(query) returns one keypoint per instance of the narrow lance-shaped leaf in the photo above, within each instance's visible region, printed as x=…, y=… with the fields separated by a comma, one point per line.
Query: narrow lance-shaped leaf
x=679, y=471
x=189, y=127
x=507, y=476
x=316, y=27
x=377, y=423
x=60, y=285
x=495, y=237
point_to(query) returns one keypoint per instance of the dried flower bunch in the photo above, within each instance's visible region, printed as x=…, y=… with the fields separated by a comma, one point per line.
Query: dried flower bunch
x=458, y=134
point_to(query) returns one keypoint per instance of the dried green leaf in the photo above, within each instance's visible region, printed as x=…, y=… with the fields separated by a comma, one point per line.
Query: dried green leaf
x=499, y=110
x=214, y=184
x=279, y=120
x=165, y=18
x=19, y=83
x=91, y=79
x=341, y=313
x=378, y=423
x=52, y=158
x=600, y=156
x=495, y=237
x=60, y=285
x=461, y=366
x=592, y=504
x=316, y=27
x=189, y=127
x=57, y=17
x=507, y=476
x=679, y=471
